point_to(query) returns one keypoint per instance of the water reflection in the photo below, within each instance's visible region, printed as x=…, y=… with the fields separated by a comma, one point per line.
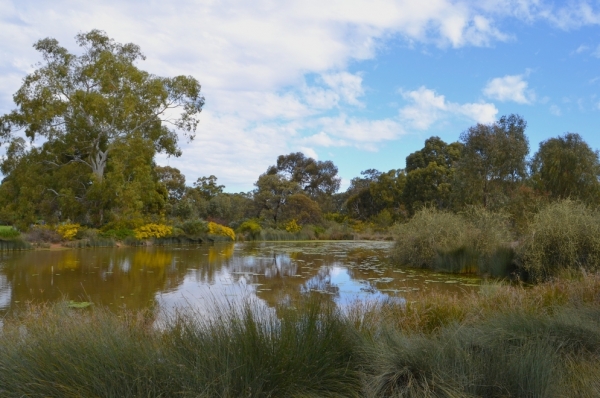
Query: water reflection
x=198, y=277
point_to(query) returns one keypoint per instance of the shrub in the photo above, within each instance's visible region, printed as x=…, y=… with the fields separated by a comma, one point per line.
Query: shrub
x=220, y=230
x=68, y=231
x=42, y=234
x=8, y=232
x=564, y=236
x=152, y=231
x=292, y=226
x=251, y=228
x=195, y=227
x=118, y=234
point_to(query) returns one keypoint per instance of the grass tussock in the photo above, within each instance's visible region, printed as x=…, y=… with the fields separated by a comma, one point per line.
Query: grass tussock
x=476, y=241
x=563, y=236
x=54, y=351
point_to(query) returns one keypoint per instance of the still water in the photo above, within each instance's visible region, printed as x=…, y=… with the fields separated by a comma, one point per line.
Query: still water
x=200, y=276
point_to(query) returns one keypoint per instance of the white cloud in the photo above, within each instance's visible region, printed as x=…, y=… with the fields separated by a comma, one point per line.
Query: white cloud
x=509, y=88
x=252, y=59
x=555, y=110
x=362, y=132
x=427, y=107
x=596, y=52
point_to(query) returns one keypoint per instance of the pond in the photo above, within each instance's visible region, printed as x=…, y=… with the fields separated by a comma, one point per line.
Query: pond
x=199, y=276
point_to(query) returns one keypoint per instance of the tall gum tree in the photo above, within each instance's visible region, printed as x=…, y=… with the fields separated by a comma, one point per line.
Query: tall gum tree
x=95, y=101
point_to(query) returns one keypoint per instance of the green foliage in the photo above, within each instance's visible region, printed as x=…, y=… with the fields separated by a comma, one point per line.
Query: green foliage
x=376, y=191
x=118, y=234
x=195, y=228
x=492, y=163
x=89, y=108
x=563, y=236
x=250, y=228
x=315, y=177
x=8, y=232
x=430, y=173
x=566, y=167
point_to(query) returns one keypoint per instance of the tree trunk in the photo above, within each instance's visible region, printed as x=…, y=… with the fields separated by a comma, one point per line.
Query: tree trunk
x=98, y=162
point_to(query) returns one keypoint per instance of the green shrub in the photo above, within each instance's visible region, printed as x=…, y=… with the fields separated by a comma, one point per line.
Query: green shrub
x=8, y=232
x=563, y=236
x=118, y=234
x=251, y=229
x=194, y=228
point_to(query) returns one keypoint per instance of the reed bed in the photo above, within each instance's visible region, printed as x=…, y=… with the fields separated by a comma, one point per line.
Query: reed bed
x=539, y=341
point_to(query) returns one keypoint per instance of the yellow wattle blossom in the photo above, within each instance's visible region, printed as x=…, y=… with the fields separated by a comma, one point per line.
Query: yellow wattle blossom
x=152, y=231
x=292, y=226
x=221, y=230
x=68, y=231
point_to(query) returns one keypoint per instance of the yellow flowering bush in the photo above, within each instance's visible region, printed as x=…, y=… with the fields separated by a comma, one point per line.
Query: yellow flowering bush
x=221, y=230
x=292, y=226
x=152, y=231
x=68, y=231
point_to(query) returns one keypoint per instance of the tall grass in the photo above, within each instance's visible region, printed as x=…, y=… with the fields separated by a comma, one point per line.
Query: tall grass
x=563, y=236
x=239, y=353
x=14, y=244
x=476, y=241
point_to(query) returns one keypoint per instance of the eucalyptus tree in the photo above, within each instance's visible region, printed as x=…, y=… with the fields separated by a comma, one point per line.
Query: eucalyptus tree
x=96, y=100
x=430, y=174
x=98, y=117
x=566, y=167
x=493, y=162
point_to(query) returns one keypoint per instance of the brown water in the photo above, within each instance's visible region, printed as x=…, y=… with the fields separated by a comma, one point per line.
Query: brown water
x=198, y=276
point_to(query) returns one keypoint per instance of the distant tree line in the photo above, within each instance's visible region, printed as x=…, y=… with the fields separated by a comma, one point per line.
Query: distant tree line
x=103, y=120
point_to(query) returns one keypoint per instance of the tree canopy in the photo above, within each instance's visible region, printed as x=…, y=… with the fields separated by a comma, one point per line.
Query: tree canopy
x=101, y=120
x=566, y=167
x=96, y=100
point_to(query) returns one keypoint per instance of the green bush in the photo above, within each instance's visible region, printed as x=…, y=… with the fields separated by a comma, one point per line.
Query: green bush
x=194, y=228
x=563, y=236
x=8, y=232
x=118, y=234
x=251, y=229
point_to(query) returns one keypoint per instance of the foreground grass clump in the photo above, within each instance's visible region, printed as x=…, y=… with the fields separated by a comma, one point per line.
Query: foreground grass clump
x=240, y=352
x=563, y=236
x=542, y=341
x=476, y=241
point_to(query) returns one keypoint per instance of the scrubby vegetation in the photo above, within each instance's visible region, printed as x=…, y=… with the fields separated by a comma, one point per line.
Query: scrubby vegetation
x=504, y=341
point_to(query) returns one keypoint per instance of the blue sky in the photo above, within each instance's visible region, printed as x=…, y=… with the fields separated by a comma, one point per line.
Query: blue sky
x=361, y=83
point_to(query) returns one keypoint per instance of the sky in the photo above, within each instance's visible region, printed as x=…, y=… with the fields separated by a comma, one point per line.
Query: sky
x=360, y=83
